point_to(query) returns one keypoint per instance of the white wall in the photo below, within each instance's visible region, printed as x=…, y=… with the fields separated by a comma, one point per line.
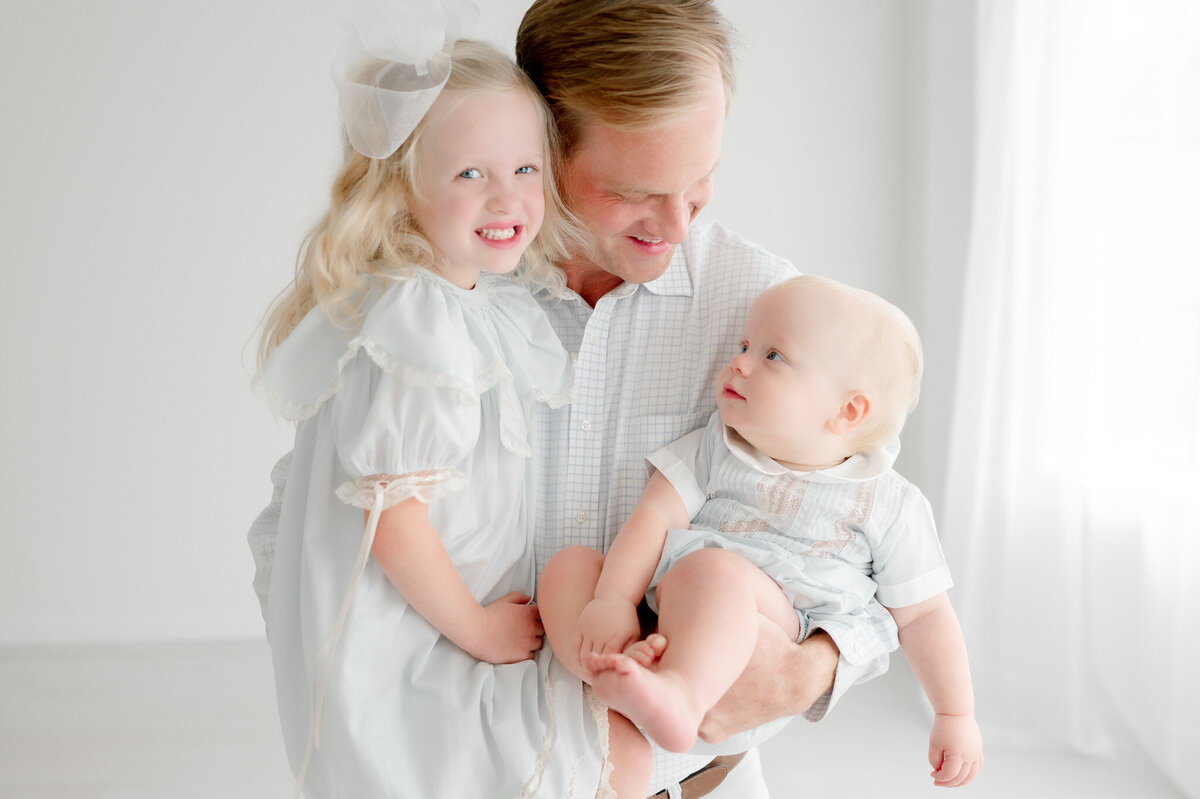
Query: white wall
x=160, y=163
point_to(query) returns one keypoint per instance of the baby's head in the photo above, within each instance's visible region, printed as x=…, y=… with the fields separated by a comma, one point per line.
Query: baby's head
x=826, y=371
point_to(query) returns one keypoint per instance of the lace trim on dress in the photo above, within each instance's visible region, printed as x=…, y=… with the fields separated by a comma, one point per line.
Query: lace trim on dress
x=425, y=485
x=565, y=397
x=600, y=718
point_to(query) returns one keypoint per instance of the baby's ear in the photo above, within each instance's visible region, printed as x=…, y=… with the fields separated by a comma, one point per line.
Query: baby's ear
x=854, y=409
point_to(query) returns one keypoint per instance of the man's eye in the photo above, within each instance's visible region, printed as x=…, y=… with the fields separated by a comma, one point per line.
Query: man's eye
x=470, y=173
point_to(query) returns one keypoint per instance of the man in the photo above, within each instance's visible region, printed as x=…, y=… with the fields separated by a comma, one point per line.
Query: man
x=640, y=90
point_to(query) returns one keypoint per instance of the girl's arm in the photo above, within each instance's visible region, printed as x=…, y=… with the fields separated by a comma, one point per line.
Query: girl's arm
x=412, y=555
x=933, y=645
x=609, y=622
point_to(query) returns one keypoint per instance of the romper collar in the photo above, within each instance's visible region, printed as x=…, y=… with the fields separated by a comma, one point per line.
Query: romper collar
x=856, y=469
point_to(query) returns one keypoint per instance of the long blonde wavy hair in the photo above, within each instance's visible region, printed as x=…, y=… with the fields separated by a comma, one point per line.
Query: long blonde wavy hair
x=369, y=232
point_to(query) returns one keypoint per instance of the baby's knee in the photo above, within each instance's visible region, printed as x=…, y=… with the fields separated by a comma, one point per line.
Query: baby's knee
x=709, y=564
x=569, y=567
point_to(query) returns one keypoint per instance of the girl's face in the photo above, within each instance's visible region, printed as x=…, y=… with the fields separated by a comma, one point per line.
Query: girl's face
x=479, y=181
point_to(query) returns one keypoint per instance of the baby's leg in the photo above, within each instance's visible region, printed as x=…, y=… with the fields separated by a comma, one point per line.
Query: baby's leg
x=632, y=761
x=709, y=606
x=567, y=585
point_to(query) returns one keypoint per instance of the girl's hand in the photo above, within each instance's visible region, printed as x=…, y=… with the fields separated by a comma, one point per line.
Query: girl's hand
x=608, y=626
x=510, y=631
x=955, y=750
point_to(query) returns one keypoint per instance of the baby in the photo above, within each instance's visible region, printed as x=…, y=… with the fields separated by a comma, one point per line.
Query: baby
x=796, y=516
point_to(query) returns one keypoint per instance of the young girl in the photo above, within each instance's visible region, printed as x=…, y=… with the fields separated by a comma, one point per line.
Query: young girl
x=407, y=656
x=796, y=519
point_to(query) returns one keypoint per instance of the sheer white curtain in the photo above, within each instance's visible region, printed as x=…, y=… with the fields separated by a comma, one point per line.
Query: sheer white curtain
x=1073, y=510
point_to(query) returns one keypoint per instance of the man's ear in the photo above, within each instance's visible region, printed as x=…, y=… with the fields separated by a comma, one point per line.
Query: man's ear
x=850, y=415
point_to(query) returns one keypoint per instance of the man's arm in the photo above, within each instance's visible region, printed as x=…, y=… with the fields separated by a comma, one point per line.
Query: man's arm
x=782, y=679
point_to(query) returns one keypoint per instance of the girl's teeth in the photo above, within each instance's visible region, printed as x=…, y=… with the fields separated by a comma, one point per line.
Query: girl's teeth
x=497, y=234
x=647, y=241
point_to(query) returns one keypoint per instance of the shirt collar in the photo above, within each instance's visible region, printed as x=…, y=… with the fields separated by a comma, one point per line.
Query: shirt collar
x=676, y=281
x=856, y=469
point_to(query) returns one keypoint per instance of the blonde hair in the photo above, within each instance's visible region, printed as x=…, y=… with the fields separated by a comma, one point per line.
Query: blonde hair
x=630, y=64
x=884, y=357
x=369, y=231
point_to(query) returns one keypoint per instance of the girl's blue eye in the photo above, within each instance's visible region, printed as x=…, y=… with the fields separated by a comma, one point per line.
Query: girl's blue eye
x=526, y=170
x=470, y=173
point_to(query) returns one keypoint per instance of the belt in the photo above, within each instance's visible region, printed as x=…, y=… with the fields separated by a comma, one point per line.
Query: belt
x=704, y=781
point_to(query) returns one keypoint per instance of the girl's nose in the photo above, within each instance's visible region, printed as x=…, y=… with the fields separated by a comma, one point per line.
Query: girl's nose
x=503, y=200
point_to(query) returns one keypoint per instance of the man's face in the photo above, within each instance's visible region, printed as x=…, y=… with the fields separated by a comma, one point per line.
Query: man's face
x=636, y=192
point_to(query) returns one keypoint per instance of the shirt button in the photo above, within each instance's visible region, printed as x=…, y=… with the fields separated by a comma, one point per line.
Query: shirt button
x=585, y=426
x=581, y=518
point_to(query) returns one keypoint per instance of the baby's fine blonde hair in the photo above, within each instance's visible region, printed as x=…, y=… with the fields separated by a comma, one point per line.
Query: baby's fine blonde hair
x=369, y=231
x=630, y=64
x=884, y=357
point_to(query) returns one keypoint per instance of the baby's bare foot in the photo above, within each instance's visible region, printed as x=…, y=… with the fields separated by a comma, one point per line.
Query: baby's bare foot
x=657, y=702
x=647, y=651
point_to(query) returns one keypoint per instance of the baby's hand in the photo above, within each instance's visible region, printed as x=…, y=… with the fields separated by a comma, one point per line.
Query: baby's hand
x=608, y=626
x=955, y=750
x=512, y=631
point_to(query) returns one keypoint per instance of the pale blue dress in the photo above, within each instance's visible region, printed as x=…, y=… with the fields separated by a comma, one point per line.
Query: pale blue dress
x=429, y=398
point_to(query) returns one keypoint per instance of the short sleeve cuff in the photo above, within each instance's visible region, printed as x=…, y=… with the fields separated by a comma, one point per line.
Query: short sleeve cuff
x=675, y=461
x=916, y=590
x=425, y=486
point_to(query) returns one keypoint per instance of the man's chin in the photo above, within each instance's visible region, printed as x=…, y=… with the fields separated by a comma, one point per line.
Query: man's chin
x=642, y=270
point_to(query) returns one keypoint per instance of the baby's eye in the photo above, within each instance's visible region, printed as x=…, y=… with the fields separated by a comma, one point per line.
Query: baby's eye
x=773, y=356
x=470, y=174
x=526, y=170
x=744, y=348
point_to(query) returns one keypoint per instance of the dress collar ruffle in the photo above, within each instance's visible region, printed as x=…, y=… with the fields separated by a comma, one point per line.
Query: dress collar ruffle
x=429, y=333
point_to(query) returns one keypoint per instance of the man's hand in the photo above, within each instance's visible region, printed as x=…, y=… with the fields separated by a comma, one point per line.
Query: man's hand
x=782, y=679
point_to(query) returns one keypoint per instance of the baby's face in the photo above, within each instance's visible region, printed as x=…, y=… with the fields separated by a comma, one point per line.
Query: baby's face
x=783, y=388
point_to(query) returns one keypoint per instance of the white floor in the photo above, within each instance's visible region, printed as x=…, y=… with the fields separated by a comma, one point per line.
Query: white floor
x=197, y=720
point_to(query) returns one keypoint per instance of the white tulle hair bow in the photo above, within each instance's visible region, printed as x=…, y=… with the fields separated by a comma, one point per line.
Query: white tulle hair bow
x=393, y=64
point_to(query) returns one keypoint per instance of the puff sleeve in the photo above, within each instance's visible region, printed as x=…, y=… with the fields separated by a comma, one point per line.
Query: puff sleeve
x=405, y=436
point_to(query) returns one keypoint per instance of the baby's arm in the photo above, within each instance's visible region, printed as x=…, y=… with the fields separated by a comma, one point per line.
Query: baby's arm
x=609, y=623
x=412, y=555
x=933, y=645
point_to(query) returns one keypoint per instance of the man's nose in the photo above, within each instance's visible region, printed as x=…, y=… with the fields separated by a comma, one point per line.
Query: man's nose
x=671, y=218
